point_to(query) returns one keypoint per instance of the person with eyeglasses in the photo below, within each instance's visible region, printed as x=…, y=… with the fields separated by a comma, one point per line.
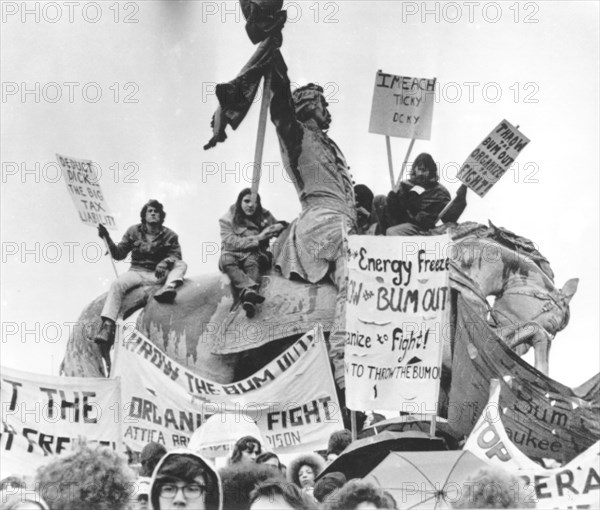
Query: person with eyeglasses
x=184, y=480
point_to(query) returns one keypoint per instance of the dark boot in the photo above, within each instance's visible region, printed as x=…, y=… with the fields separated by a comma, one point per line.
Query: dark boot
x=106, y=334
x=105, y=340
x=166, y=295
x=251, y=296
x=250, y=309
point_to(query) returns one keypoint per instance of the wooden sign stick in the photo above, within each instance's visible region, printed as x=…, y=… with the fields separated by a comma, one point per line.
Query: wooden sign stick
x=260, y=135
x=389, y=155
x=412, y=142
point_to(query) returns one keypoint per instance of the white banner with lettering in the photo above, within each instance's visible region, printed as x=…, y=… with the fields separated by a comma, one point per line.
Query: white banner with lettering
x=396, y=317
x=292, y=399
x=576, y=484
x=44, y=415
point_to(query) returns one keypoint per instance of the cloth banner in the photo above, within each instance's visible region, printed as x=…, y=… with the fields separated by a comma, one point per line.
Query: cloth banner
x=44, y=415
x=577, y=484
x=402, y=106
x=292, y=399
x=82, y=178
x=542, y=417
x=397, y=314
x=492, y=158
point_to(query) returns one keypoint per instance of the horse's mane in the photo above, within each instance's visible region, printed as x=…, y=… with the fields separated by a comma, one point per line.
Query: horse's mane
x=503, y=237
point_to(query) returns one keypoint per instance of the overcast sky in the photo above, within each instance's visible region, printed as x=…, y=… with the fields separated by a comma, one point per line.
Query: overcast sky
x=130, y=85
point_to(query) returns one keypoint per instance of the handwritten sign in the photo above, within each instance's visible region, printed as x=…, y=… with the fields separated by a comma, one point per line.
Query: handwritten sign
x=292, y=399
x=492, y=158
x=44, y=415
x=397, y=312
x=402, y=106
x=83, y=185
x=577, y=484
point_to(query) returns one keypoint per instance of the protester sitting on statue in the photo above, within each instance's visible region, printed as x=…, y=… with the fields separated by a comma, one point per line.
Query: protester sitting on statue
x=183, y=479
x=155, y=259
x=414, y=208
x=364, y=206
x=245, y=233
x=312, y=248
x=304, y=469
x=246, y=450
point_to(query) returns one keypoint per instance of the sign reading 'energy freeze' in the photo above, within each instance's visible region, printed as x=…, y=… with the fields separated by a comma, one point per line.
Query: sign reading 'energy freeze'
x=396, y=317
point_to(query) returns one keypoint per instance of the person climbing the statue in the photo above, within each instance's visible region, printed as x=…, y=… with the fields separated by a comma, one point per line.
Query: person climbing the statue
x=155, y=259
x=413, y=209
x=312, y=248
x=245, y=233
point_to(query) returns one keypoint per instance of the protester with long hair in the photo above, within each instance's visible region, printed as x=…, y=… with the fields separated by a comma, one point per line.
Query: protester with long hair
x=245, y=233
x=247, y=449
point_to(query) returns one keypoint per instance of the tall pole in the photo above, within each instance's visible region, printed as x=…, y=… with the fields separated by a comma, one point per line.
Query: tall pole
x=260, y=135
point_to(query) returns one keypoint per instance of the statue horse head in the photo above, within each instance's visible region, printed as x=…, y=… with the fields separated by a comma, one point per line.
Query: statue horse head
x=528, y=310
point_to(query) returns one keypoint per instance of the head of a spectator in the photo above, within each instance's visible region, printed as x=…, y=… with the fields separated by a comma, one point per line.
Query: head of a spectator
x=247, y=449
x=329, y=484
x=184, y=480
x=359, y=495
x=269, y=459
x=19, y=498
x=240, y=479
x=279, y=495
x=493, y=487
x=87, y=478
x=157, y=207
x=304, y=469
x=151, y=454
x=364, y=197
x=12, y=482
x=424, y=171
x=338, y=441
x=247, y=207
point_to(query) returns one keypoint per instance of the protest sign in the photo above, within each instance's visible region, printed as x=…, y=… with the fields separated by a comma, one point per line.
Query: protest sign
x=492, y=158
x=542, y=418
x=397, y=310
x=292, y=399
x=44, y=415
x=83, y=184
x=402, y=106
x=577, y=484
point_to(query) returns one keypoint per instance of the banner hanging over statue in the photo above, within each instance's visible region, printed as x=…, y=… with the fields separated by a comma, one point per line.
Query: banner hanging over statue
x=492, y=158
x=82, y=178
x=402, y=106
x=397, y=315
x=44, y=415
x=292, y=399
x=574, y=485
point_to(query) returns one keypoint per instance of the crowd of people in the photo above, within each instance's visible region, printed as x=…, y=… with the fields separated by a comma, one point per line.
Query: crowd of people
x=97, y=478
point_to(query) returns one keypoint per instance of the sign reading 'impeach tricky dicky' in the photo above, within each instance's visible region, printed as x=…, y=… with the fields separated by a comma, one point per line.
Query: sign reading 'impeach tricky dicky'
x=402, y=106
x=396, y=314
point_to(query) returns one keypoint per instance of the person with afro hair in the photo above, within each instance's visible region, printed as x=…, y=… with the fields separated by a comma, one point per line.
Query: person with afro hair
x=304, y=469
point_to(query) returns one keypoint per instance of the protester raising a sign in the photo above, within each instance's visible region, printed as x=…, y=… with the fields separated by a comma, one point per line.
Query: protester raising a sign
x=402, y=106
x=83, y=184
x=492, y=158
x=292, y=399
x=44, y=415
x=397, y=313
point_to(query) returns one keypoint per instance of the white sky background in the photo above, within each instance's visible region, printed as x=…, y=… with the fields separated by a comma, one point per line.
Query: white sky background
x=175, y=54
